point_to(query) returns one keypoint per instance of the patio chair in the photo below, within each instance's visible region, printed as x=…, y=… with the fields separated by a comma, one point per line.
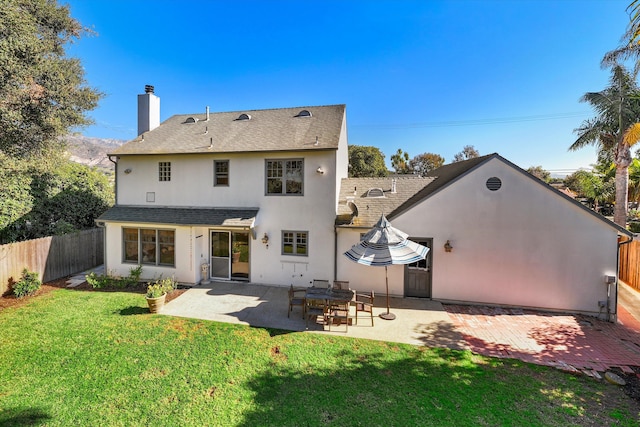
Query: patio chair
x=364, y=304
x=339, y=313
x=320, y=283
x=340, y=284
x=315, y=308
x=296, y=297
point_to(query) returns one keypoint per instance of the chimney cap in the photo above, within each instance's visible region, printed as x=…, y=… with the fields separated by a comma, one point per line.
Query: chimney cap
x=148, y=89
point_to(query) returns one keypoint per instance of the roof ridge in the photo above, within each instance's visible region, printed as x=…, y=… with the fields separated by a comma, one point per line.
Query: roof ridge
x=260, y=109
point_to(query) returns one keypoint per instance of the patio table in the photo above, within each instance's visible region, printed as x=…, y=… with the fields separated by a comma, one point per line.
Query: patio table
x=331, y=297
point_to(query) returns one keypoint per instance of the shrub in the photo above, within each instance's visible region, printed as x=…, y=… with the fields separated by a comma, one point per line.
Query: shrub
x=99, y=281
x=28, y=284
x=634, y=227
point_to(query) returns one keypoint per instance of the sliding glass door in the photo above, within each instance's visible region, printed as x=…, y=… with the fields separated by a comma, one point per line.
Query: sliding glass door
x=229, y=255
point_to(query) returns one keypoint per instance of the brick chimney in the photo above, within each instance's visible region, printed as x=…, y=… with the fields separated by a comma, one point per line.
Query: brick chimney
x=148, y=110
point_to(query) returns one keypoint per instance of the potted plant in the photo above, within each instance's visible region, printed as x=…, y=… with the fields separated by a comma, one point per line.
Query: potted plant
x=156, y=295
x=235, y=251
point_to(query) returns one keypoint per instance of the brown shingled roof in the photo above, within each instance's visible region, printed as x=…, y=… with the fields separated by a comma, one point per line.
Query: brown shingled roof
x=266, y=130
x=370, y=208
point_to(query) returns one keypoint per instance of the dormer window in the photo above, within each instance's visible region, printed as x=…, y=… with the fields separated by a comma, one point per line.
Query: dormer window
x=373, y=193
x=243, y=117
x=304, y=113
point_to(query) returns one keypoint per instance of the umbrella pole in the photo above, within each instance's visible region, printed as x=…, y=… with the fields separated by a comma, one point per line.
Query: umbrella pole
x=387, y=315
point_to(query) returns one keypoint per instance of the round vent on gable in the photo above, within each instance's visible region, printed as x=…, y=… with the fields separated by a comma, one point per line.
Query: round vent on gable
x=494, y=183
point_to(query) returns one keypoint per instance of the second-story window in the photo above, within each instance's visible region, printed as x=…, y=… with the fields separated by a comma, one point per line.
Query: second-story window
x=285, y=177
x=164, y=171
x=221, y=173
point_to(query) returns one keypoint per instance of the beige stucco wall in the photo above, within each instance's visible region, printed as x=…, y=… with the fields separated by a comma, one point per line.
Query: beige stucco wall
x=522, y=245
x=191, y=185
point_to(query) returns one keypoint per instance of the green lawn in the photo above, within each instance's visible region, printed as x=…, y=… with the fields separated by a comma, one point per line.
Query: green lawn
x=99, y=359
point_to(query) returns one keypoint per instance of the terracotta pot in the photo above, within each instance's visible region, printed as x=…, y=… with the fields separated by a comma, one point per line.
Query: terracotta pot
x=156, y=304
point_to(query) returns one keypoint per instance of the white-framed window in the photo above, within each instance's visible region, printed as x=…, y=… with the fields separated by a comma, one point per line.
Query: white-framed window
x=295, y=243
x=221, y=173
x=164, y=171
x=284, y=177
x=148, y=246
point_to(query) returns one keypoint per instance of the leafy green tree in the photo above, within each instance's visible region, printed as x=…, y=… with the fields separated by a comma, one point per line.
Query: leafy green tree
x=425, y=162
x=43, y=198
x=468, y=152
x=614, y=129
x=591, y=185
x=43, y=93
x=400, y=162
x=634, y=181
x=540, y=173
x=366, y=161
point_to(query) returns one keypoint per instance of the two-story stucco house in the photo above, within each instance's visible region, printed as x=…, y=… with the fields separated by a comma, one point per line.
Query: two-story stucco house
x=264, y=196
x=251, y=194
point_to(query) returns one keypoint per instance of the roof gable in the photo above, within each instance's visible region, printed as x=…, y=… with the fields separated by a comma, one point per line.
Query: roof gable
x=283, y=129
x=447, y=175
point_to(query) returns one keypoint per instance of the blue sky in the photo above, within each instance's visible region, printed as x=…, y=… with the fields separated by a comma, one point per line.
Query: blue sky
x=504, y=76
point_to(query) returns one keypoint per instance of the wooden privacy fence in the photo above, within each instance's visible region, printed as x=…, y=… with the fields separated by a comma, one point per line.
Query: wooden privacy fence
x=51, y=257
x=630, y=264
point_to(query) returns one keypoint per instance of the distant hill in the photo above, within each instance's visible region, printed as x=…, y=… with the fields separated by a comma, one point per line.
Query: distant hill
x=92, y=151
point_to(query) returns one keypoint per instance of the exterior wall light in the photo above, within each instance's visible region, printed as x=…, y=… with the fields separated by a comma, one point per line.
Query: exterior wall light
x=127, y=171
x=448, y=247
x=320, y=170
x=265, y=240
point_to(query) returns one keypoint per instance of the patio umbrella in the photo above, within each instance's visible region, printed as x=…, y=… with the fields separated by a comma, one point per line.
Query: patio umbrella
x=385, y=245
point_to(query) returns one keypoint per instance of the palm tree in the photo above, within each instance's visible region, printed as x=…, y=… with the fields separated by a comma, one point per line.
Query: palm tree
x=630, y=41
x=614, y=129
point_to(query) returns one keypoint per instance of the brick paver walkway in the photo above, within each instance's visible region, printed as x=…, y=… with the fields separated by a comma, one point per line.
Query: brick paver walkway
x=570, y=342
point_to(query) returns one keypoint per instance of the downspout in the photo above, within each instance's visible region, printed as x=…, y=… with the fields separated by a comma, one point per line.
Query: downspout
x=115, y=179
x=335, y=252
x=626, y=242
x=115, y=200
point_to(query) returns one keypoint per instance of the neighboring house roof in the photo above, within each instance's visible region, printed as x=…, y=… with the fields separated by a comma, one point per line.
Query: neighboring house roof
x=568, y=192
x=448, y=174
x=181, y=216
x=355, y=196
x=282, y=129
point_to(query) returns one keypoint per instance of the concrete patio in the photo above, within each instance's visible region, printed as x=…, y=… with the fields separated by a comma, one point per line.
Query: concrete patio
x=566, y=341
x=418, y=321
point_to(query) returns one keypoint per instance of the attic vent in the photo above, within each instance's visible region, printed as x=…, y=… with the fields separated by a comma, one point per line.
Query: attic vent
x=304, y=113
x=494, y=183
x=244, y=116
x=191, y=120
x=375, y=192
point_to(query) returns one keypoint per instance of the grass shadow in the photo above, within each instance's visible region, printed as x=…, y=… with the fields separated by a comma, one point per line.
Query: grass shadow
x=132, y=311
x=19, y=417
